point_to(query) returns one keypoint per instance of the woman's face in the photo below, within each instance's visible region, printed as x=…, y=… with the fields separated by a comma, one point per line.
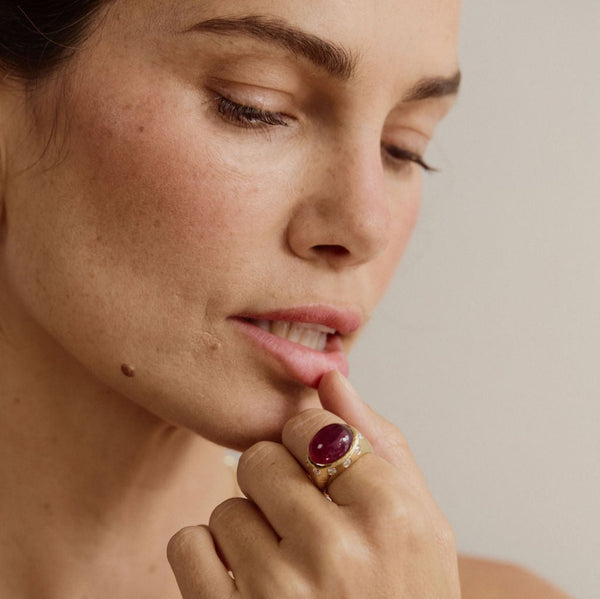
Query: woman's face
x=219, y=179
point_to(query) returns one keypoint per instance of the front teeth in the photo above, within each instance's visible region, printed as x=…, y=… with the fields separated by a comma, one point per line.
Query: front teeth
x=310, y=335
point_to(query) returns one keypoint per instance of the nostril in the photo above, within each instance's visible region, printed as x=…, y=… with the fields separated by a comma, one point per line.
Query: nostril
x=332, y=250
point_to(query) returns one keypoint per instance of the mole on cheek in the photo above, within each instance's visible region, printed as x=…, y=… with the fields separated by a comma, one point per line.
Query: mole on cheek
x=128, y=370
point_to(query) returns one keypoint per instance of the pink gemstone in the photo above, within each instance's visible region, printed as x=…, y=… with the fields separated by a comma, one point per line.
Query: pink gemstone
x=330, y=444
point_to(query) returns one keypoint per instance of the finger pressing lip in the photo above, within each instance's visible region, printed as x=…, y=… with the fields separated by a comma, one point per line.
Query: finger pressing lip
x=389, y=444
x=340, y=460
x=338, y=396
x=367, y=485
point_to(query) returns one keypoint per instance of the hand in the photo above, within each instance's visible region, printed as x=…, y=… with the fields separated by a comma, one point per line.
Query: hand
x=382, y=536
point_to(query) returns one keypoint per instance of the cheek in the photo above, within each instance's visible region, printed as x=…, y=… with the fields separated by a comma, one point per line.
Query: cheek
x=137, y=220
x=125, y=249
x=164, y=197
x=158, y=190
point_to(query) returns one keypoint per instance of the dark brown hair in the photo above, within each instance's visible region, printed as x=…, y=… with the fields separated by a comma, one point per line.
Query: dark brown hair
x=37, y=35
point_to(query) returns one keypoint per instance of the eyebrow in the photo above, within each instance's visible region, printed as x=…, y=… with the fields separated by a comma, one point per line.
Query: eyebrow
x=434, y=87
x=334, y=59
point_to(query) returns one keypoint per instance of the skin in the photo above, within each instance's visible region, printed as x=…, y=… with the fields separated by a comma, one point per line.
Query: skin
x=149, y=194
x=128, y=241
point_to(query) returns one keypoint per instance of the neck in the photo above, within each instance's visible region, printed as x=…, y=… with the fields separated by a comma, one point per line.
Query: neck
x=93, y=485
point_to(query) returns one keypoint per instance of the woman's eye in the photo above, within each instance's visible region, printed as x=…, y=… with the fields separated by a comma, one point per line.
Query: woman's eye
x=248, y=116
x=251, y=117
x=400, y=158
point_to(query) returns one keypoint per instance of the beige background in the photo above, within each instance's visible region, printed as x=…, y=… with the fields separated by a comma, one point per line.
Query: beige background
x=486, y=350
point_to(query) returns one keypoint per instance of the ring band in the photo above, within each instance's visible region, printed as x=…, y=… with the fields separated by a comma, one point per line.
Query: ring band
x=333, y=450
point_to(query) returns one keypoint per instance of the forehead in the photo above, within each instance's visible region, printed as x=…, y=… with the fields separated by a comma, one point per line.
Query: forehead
x=402, y=39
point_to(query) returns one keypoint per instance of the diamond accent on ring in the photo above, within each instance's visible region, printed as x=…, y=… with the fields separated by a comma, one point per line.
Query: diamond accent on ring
x=331, y=471
x=357, y=449
x=347, y=462
x=316, y=472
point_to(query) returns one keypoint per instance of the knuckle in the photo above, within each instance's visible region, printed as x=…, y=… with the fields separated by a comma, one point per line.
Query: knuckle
x=181, y=543
x=223, y=511
x=445, y=537
x=352, y=553
x=388, y=490
x=256, y=456
x=290, y=584
x=393, y=441
x=257, y=464
x=329, y=540
x=419, y=529
x=338, y=549
x=403, y=520
x=398, y=514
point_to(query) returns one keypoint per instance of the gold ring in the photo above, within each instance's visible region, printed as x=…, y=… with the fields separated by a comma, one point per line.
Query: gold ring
x=332, y=451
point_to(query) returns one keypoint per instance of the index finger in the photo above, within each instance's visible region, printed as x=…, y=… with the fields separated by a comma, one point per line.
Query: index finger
x=338, y=396
x=388, y=442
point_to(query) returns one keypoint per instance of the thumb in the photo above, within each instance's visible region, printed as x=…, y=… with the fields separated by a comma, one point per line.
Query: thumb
x=338, y=396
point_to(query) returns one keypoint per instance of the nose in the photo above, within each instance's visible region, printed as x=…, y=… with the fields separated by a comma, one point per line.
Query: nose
x=342, y=217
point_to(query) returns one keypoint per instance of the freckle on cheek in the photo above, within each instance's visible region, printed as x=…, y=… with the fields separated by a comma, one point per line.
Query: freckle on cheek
x=128, y=370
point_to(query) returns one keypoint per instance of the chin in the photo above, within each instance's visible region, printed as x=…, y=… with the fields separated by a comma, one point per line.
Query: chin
x=235, y=416
x=250, y=424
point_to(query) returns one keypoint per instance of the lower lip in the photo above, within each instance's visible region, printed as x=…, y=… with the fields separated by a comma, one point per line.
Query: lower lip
x=302, y=363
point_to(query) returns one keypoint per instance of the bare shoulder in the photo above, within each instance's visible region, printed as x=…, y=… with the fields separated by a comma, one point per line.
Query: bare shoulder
x=488, y=579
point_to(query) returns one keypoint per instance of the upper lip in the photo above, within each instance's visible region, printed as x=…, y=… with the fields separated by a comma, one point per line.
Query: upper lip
x=343, y=320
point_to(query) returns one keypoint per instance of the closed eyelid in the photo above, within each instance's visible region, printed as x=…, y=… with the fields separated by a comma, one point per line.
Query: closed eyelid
x=404, y=155
x=256, y=96
x=248, y=116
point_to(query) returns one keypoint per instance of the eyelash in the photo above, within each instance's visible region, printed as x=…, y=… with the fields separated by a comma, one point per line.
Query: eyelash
x=400, y=156
x=250, y=117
